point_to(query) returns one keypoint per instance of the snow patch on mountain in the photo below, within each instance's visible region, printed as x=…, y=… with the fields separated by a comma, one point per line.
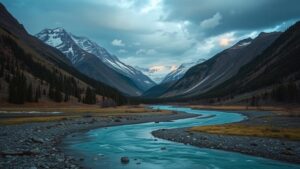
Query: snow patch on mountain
x=73, y=46
x=245, y=44
x=113, y=61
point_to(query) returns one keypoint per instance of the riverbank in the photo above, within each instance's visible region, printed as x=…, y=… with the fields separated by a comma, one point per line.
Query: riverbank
x=36, y=145
x=282, y=148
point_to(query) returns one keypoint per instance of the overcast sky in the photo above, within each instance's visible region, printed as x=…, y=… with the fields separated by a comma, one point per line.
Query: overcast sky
x=158, y=34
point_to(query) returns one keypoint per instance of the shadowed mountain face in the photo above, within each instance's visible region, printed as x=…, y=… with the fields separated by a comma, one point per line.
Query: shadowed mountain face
x=209, y=74
x=10, y=24
x=278, y=64
x=158, y=90
x=96, y=62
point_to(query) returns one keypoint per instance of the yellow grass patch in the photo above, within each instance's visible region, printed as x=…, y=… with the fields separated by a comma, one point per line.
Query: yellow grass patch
x=74, y=112
x=281, y=110
x=246, y=130
x=79, y=109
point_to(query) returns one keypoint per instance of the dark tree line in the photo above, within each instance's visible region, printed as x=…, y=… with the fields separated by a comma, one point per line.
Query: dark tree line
x=282, y=93
x=286, y=93
x=19, y=92
x=60, y=86
x=90, y=96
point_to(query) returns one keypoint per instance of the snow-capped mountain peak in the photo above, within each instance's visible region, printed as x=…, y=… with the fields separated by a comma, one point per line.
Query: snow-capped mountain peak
x=52, y=36
x=62, y=40
x=75, y=48
x=112, y=61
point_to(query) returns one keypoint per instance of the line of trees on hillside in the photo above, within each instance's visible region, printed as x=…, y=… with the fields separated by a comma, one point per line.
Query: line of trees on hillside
x=20, y=91
x=280, y=93
x=14, y=62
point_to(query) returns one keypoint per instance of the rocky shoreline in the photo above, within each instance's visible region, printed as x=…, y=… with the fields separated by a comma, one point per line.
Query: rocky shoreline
x=36, y=145
x=276, y=149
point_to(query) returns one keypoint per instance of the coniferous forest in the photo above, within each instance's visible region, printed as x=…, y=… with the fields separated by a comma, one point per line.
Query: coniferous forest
x=17, y=66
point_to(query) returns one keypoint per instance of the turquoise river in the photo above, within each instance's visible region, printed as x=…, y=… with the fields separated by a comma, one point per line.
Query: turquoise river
x=102, y=148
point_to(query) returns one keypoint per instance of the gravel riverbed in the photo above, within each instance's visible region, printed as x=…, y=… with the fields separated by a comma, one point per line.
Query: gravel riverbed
x=36, y=145
x=277, y=149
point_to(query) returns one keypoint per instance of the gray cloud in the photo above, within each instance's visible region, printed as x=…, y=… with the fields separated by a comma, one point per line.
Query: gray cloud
x=157, y=32
x=236, y=14
x=211, y=22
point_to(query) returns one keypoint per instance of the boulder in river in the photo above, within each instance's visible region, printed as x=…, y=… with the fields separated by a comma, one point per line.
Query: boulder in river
x=124, y=160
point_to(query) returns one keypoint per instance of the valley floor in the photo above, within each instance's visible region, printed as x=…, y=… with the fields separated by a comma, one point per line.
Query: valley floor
x=32, y=140
x=270, y=132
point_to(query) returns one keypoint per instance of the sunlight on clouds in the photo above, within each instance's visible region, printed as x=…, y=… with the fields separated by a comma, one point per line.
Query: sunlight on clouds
x=162, y=68
x=224, y=42
x=157, y=68
x=227, y=39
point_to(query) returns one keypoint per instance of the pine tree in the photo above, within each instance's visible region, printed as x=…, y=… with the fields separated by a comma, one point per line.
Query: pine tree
x=7, y=78
x=37, y=94
x=2, y=71
x=36, y=97
x=292, y=92
x=29, y=93
x=51, y=92
x=58, y=96
x=66, y=98
x=253, y=101
x=90, y=96
x=17, y=89
x=278, y=93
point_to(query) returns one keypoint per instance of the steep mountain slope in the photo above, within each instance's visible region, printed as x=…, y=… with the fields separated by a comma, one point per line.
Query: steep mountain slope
x=158, y=90
x=207, y=75
x=180, y=71
x=24, y=57
x=75, y=48
x=142, y=81
x=88, y=63
x=278, y=64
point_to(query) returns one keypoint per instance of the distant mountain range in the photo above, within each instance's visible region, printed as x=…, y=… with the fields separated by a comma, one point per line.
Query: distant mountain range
x=180, y=71
x=170, y=79
x=154, y=73
x=96, y=62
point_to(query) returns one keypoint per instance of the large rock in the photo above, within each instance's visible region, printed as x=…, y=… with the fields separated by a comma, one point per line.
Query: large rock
x=124, y=160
